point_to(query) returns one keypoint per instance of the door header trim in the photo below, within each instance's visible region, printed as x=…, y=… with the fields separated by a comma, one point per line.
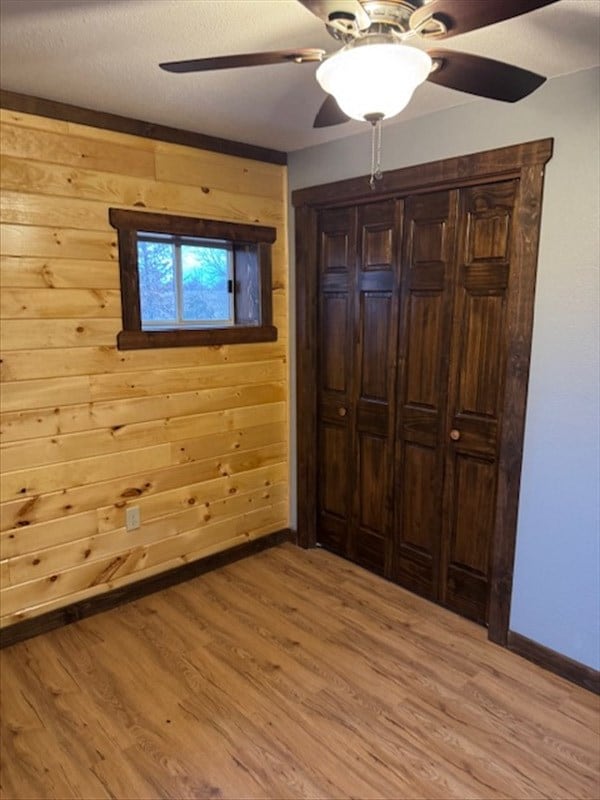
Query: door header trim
x=492, y=165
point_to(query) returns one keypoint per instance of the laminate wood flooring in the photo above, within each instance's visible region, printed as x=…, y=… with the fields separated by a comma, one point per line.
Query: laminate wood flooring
x=291, y=674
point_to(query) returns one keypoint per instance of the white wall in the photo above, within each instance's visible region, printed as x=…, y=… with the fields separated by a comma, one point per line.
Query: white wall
x=556, y=594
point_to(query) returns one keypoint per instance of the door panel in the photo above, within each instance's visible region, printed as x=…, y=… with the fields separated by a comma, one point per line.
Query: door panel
x=474, y=483
x=481, y=347
x=379, y=226
x=334, y=362
x=425, y=314
x=335, y=415
x=372, y=483
x=475, y=390
x=378, y=241
x=335, y=487
x=335, y=241
x=375, y=321
x=430, y=223
x=370, y=544
x=419, y=478
x=358, y=315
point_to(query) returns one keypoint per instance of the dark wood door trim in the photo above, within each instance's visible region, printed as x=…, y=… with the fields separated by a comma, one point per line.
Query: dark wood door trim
x=306, y=373
x=525, y=162
x=450, y=173
x=519, y=328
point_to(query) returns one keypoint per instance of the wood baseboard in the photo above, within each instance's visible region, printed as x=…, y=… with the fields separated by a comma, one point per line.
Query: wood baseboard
x=133, y=591
x=549, y=659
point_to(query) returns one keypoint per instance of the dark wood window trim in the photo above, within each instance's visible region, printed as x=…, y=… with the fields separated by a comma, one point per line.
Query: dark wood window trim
x=132, y=337
x=28, y=104
x=525, y=162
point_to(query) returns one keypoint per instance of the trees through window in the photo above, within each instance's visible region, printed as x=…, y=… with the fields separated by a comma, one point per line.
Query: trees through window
x=184, y=282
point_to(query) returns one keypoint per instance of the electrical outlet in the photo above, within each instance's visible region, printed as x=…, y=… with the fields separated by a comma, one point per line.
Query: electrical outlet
x=132, y=518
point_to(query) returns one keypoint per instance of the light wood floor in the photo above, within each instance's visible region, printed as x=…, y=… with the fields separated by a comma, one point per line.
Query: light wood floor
x=291, y=674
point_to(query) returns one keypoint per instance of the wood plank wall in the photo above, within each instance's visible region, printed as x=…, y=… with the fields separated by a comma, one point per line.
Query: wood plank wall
x=196, y=436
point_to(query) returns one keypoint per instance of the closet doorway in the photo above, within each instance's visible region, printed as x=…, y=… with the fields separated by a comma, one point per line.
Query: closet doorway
x=414, y=318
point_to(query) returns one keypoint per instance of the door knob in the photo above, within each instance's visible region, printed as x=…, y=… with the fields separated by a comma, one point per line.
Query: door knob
x=454, y=435
x=342, y=411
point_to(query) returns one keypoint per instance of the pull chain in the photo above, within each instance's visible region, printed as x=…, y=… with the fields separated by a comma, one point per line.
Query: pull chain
x=376, y=174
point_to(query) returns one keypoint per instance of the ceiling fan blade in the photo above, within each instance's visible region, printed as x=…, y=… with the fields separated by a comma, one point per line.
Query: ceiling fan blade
x=482, y=76
x=329, y=114
x=244, y=60
x=460, y=16
x=323, y=9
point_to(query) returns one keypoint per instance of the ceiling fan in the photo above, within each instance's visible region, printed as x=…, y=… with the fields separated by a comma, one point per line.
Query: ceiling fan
x=373, y=75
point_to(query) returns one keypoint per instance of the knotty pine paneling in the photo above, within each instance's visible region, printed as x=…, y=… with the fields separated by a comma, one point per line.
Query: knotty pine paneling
x=65, y=502
x=22, y=120
x=23, y=334
x=47, y=593
x=53, y=421
x=49, y=242
x=25, y=540
x=57, y=273
x=65, y=447
x=68, y=149
x=95, y=546
x=197, y=437
x=41, y=303
x=31, y=364
x=89, y=214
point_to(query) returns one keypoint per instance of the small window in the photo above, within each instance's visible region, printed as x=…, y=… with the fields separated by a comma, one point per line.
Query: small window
x=184, y=283
x=188, y=281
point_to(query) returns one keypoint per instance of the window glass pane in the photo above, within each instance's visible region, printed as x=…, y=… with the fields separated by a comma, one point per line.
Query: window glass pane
x=156, y=266
x=205, y=274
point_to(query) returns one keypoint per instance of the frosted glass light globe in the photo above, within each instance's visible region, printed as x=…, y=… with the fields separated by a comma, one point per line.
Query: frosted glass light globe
x=373, y=79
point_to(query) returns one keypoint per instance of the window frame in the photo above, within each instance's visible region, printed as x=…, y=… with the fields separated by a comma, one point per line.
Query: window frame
x=241, y=236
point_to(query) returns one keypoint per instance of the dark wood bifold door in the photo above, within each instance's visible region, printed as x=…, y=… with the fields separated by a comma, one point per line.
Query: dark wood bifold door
x=358, y=312
x=412, y=352
x=415, y=312
x=426, y=324
x=453, y=349
x=478, y=354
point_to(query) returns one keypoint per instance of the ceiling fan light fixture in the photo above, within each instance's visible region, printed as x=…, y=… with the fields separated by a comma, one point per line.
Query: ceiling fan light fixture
x=374, y=79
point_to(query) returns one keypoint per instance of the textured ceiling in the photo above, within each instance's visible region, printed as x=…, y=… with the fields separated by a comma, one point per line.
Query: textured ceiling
x=103, y=54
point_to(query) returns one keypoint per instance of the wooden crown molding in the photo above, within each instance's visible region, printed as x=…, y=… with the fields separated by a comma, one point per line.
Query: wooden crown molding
x=27, y=104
